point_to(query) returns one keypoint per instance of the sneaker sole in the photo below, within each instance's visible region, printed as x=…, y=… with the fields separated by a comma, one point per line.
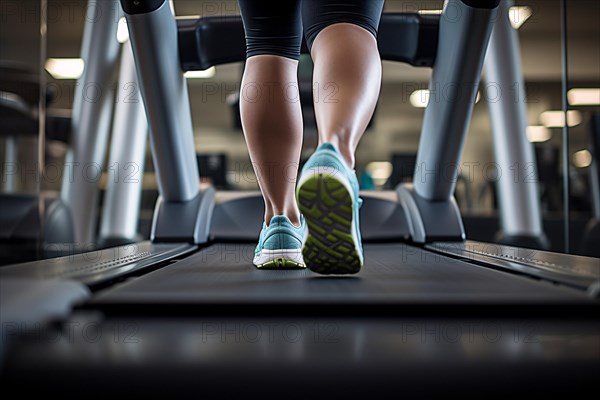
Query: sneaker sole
x=280, y=263
x=279, y=259
x=326, y=204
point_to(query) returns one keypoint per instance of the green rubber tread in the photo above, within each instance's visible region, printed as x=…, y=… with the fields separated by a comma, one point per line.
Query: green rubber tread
x=281, y=263
x=327, y=207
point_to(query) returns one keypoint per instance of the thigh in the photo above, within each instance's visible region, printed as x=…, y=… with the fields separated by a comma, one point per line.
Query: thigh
x=272, y=27
x=318, y=14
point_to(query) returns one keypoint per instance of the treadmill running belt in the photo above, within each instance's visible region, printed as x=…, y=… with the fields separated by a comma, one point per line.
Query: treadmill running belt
x=223, y=274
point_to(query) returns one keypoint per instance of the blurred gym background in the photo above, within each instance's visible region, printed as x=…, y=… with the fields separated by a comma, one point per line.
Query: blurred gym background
x=385, y=156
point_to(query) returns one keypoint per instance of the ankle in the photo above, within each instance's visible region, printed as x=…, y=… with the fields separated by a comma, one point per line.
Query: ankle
x=293, y=216
x=348, y=156
x=344, y=149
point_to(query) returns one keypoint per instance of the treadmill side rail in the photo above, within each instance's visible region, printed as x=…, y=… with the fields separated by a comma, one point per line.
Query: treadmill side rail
x=575, y=271
x=96, y=267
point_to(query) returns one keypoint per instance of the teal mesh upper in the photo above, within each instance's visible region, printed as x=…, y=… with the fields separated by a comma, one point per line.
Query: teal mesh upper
x=281, y=234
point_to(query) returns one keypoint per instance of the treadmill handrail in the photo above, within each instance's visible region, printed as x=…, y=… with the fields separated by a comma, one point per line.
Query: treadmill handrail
x=206, y=42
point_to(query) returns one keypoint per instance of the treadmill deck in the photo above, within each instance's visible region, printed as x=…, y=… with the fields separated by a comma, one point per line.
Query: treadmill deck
x=223, y=274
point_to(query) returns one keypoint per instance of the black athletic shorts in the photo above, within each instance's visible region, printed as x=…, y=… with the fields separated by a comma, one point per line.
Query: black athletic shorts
x=276, y=27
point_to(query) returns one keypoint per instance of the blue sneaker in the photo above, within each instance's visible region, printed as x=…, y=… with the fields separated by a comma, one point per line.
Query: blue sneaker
x=328, y=198
x=280, y=244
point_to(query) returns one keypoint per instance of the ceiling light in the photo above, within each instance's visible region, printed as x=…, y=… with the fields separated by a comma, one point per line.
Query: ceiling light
x=430, y=12
x=122, y=31
x=65, y=68
x=380, y=171
x=188, y=17
x=556, y=119
x=203, y=74
x=518, y=15
x=419, y=98
x=584, y=97
x=582, y=159
x=538, y=133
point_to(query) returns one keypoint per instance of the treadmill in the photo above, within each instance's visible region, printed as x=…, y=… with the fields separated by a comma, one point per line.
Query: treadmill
x=430, y=313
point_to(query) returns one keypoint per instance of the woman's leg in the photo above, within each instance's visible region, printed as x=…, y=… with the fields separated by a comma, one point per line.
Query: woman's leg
x=347, y=68
x=270, y=103
x=347, y=78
